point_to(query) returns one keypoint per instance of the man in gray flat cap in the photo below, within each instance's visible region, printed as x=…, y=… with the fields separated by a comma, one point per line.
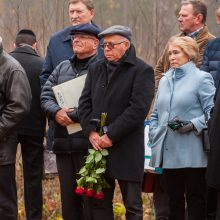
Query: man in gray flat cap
x=121, y=85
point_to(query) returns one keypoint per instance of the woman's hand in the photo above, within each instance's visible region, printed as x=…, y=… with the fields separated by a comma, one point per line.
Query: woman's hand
x=187, y=126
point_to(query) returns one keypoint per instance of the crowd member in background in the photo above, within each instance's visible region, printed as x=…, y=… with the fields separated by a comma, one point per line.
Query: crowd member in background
x=192, y=18
x=15, y=96
x=60, y=46
x=218, y=15
x=31, y=129
x=126, y=105
x=211, y=58
x=71, y=149
x=213, y=178
x=177, y=120
x=211, y=64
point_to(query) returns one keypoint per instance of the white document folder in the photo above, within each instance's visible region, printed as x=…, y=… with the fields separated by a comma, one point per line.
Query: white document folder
x=67, y=95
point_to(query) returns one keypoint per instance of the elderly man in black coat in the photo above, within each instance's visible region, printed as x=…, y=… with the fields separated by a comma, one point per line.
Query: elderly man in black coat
x=121, y=85
x=31, y=129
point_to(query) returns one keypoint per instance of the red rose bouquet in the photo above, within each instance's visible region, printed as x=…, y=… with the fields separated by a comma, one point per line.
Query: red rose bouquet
x=92, y=180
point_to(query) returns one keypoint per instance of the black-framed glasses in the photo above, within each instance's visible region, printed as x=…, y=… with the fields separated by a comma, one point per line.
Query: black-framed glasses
x=110, y=45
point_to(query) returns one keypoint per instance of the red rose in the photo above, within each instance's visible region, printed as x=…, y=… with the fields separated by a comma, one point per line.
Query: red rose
x=89, y=192
x=79, y=190
x=99, y=195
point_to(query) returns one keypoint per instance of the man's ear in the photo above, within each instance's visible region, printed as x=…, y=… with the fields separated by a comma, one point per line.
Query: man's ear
x=35, y=45
x=92, y=13
x=96, y=44
x=127, y=44
x=199, y=18
x=14, y=45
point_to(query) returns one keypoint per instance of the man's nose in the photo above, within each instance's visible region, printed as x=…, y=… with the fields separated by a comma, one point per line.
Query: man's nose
x=75, y=14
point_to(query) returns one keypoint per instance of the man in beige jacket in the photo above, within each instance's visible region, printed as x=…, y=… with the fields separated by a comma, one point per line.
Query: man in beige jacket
x=192, y=18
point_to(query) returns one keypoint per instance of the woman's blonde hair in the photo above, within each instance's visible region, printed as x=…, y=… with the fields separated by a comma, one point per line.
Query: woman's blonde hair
x=188, y=46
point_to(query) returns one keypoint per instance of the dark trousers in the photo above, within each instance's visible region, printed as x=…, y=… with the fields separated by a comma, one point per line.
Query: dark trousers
x=8, y=193
x=73, y=206
x=218, y=206
x=211, y=203
x=131, y=193
x=189, y=182
x=32, y=158
x=160, y=197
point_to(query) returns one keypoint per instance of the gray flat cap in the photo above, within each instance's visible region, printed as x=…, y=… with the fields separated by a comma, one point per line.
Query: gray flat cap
x=117, y=30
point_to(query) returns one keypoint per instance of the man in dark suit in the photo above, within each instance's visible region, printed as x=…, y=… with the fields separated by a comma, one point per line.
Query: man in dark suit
x=31, y=129
x=121, y=85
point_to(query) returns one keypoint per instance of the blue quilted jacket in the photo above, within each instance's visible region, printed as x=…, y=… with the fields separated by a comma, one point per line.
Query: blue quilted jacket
x=211, y=59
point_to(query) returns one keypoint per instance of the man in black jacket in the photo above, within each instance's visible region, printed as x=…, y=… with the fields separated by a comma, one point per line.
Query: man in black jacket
x=70, y=148
x=15, y=99
x=121, y=85
x=31, y=129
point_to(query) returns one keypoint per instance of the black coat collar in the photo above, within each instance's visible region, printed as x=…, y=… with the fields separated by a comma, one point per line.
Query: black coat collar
x=25, y=49
x=131, y=56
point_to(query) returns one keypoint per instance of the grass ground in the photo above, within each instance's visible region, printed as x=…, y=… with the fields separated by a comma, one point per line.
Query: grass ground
x=51, y=198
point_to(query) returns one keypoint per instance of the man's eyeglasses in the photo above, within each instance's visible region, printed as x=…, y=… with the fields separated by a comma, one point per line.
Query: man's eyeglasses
x=82, y=37
x=110, y=45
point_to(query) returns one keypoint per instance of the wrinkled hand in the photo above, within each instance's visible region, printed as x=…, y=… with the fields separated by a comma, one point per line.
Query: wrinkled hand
x=187, y=127
x=105, y=141
x=94, y=139
x=62, y=118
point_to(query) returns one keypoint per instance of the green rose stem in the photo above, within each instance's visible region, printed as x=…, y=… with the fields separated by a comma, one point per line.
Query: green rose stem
x=92, y=180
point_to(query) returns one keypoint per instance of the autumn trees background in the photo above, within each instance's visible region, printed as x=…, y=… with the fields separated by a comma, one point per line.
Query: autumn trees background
x=152, y=21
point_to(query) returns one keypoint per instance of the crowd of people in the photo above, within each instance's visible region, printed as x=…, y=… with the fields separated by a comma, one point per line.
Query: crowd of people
x=180, y=95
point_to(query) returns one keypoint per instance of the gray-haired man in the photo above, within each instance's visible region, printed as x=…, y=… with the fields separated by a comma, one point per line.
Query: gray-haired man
x=121, y=85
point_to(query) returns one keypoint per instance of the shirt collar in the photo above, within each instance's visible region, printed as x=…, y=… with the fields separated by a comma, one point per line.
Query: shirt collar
x=195, y=33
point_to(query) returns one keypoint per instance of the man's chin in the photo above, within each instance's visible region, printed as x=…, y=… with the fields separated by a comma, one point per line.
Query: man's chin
x=181, y=28
x=74, y=23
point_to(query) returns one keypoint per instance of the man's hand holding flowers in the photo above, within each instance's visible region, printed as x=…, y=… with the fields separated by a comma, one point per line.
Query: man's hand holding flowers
x=92, y=174
x=105, y=141
x=98, y=142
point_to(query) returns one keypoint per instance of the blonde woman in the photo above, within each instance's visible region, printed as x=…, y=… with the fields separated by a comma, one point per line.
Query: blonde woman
x=184, y=96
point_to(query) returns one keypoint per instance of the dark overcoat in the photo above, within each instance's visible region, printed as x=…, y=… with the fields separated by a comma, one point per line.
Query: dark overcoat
x=34, y=123
x=126, y=99
x=213, y=177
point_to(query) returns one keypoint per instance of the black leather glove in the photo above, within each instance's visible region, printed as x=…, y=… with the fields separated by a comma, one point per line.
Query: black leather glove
x=186, y=126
